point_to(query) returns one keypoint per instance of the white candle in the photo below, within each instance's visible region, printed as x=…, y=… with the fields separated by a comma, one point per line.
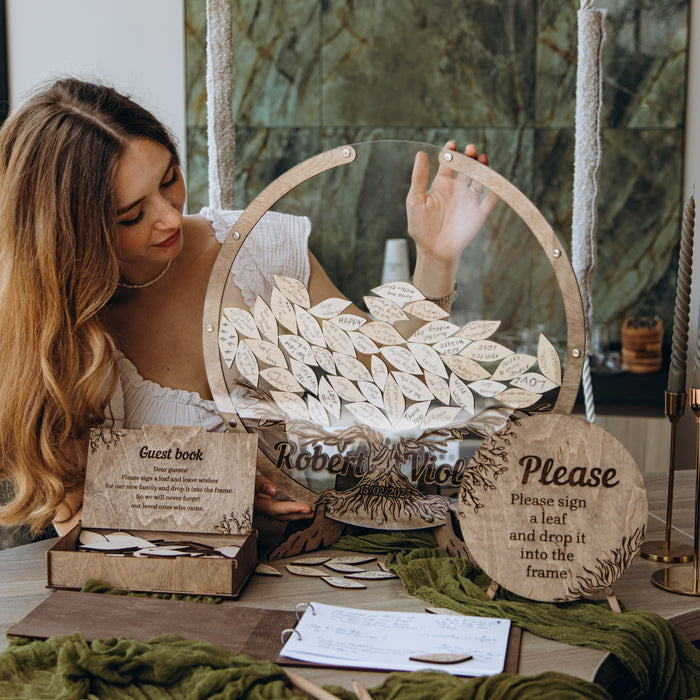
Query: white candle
x=679, y=341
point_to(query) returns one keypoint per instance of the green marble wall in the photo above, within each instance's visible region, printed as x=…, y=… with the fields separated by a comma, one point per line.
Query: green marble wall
x=314, y=74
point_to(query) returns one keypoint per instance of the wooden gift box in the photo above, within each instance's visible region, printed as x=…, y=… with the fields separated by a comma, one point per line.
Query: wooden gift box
x=166, y=483
x=225, y=577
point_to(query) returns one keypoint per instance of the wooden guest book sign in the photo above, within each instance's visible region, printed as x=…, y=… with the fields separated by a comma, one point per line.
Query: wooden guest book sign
x=553, y=508
x=170, y=478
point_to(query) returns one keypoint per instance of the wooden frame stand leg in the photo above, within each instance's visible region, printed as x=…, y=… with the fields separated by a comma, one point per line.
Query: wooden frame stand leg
x=321, y=532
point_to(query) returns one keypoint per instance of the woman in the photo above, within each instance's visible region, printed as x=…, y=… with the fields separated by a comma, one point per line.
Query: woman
x=104, y=282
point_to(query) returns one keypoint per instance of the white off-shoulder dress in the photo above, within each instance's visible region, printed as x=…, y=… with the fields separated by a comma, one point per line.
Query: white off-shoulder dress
x=277, y=245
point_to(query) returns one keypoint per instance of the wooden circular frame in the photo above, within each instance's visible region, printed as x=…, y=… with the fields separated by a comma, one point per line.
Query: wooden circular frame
x=344, y=155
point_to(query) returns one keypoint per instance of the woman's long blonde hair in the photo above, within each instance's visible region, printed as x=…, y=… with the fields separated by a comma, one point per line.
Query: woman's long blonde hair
x=58, y=268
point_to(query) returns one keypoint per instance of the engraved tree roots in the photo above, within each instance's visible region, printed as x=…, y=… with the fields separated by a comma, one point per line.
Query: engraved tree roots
x=608, y=568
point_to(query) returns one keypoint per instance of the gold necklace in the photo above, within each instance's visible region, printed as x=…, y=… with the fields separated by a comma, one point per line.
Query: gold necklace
x=126, y=285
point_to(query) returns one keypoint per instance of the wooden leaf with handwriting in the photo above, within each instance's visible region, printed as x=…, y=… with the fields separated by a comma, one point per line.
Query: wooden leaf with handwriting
x=293, y=289
x=243, y=321
x=337, y=339
x=428, y=358
x=518, y=398
x=425, y=310
x=513, y=366
x=461, y=394
x=451, y=346
x=298, y=348
x=309, y=327
x=362, y=343
x=228, y=341
x=534, y=382
x=380, y=371
x=487, y=387
x=399, y=292
x=345, y=388
x=281, y=379
x=348, y=322
x=304, y=375
x=317, y=413
x=438, y=386
x=401, y=358
x=324, y=359
x=548, y=360
x=478, y=330
x=434, y=332
x=372, y=393
x=265, y=320
x=382, y=333
x=441, y=416
x=267, y=352
x=414, y=415
x=486, y=351
x=384, y=309
x=329, y=307
x=283, y=310
x=465, y=367
x=394, y=401
x=412, y=387
x=246, y=363
x=291, y=404
x=329, y=397
x=351, y=367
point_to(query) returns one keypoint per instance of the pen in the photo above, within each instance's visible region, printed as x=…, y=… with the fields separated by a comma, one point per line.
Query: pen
x=308, y=687
x=360, y=690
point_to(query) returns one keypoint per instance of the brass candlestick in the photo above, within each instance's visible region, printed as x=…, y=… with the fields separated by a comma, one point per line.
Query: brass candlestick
x=684, y=579
x=664, y=550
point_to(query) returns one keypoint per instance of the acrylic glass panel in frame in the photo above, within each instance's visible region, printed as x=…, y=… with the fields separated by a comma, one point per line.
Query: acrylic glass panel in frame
x=370, y=399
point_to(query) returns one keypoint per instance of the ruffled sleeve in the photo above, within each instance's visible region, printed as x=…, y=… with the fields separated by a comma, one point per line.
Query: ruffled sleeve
x=149, y=403
x=277, y=245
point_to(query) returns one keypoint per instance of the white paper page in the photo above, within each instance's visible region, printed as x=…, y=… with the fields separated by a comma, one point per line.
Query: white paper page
x=383, y=640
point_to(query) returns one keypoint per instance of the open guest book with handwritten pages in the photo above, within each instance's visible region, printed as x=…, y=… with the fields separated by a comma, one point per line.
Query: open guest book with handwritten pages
x=398, y=641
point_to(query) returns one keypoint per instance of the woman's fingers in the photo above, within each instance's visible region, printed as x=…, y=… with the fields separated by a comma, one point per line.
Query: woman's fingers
x=471, y=152
x=281, y=510
x=443, y=170
x=286, y=510
x=419, y=180
x=264, y=486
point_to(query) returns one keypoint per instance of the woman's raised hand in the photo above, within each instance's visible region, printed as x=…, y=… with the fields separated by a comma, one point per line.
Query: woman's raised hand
x=444, y=220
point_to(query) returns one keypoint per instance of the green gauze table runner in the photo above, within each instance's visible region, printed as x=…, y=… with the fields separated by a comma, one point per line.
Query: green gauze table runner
x=66, y=667
x=661, y=660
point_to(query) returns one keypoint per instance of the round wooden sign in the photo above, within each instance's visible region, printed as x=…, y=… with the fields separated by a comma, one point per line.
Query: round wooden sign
x=553, y=508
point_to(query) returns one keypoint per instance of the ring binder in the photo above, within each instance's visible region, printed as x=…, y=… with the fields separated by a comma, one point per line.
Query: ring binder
x=284, y=639
x=307, y=607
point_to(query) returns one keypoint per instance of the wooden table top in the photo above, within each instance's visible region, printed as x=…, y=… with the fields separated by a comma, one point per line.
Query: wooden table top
x=23, y=580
